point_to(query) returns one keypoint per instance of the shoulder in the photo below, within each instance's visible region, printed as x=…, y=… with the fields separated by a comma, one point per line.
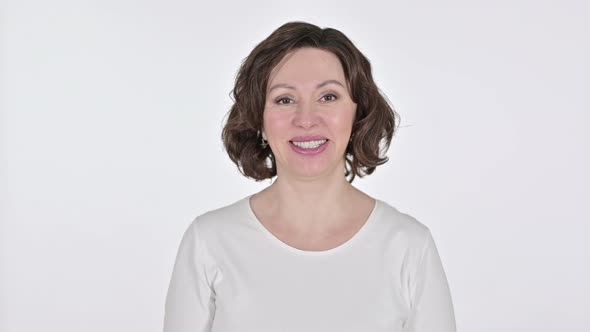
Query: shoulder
x=218, y=220
x=401, y=226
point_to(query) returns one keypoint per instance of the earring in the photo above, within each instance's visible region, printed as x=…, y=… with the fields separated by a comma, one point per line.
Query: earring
x=264, y=142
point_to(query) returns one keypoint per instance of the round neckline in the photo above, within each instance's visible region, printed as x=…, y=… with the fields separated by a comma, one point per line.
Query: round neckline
x=252, y=217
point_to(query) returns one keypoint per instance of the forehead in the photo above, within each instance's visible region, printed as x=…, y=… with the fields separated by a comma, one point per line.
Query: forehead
x=307, y=66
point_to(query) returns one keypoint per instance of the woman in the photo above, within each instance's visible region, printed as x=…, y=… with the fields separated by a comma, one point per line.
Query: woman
x=310, y=252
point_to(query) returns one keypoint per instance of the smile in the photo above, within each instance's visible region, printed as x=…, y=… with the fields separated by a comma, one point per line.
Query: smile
x=310, y=147
x=309, y=144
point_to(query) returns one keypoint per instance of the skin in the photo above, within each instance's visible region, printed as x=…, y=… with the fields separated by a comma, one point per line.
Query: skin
x=310, y=205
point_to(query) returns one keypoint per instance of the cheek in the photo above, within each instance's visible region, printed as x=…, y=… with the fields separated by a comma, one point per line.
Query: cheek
x=275, y=121
x=342, y=120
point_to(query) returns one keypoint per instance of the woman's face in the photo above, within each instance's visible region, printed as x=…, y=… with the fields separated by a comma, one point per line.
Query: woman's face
x=307, y=103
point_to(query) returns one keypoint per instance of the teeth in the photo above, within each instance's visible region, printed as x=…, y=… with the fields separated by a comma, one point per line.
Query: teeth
x=310, y=144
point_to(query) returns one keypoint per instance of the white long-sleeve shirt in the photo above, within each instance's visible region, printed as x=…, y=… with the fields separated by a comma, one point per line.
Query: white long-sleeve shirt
x=233, y=275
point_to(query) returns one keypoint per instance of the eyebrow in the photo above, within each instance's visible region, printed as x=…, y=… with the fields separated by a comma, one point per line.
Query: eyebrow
x=283, y=85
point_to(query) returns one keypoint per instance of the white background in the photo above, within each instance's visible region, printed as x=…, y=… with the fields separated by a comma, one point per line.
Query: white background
x=110, y=123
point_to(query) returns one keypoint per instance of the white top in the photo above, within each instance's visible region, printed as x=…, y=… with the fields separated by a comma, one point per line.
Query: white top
x=233, y=275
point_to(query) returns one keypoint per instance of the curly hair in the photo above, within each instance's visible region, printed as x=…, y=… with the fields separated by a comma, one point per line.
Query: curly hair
x=375, y=120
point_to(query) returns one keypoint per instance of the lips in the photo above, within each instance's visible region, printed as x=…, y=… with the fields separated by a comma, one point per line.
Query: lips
x=307, y=138
x=310, y=152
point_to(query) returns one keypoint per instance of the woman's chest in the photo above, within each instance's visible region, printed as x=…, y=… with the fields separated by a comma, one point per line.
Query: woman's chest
x=309, y=295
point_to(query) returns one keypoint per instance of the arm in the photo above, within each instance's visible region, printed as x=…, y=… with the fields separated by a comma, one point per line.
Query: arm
x=190, y=302
x=432, y=307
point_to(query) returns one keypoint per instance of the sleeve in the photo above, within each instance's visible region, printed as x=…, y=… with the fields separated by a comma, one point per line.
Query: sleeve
x=431, y=303
x=190, y=302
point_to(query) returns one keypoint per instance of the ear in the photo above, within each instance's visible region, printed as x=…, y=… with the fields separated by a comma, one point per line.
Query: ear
x=263, y=135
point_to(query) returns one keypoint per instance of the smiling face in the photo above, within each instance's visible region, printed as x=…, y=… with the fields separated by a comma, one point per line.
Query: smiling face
x=307, y=99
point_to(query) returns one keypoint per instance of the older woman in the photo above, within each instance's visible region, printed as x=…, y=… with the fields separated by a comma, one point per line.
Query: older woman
x=310, y=252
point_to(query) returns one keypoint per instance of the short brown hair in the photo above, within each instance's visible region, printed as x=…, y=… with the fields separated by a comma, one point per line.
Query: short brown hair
x=375, y=119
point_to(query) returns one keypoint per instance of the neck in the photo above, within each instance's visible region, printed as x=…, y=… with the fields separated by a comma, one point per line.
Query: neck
x=311, y=204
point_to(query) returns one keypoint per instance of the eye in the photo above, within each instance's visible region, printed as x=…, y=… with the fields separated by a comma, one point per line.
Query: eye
x=332, y=97
x=279, y=101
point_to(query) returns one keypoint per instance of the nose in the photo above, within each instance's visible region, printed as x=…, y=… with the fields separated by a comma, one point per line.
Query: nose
x=306, y=116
